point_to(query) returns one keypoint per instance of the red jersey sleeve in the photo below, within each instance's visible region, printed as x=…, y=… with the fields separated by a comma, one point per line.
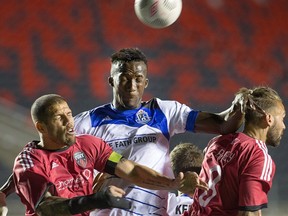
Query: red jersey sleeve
x=256, y=178
x=31, y=183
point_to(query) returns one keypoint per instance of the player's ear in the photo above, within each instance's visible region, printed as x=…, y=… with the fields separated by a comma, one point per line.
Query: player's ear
x=269, y=119
x=146, y=83
x=111, y=81
x=40, y=127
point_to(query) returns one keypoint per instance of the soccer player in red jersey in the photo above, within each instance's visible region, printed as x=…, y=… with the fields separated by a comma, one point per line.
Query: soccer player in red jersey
x=237, y=166
x=54, y=176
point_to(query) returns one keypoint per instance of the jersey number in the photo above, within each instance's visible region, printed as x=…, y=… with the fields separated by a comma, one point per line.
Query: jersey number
x=214, y=178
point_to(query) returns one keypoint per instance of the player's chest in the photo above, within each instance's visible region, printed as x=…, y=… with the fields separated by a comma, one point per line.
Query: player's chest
x=70, y=172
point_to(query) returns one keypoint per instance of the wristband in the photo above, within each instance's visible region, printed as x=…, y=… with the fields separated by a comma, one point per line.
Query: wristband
x=99, y=200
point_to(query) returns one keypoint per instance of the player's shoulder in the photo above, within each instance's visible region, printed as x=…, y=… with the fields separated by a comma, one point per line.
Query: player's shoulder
x=165, y=104
x=84, y=120
x=237, y=138
x=232, y=142
x=30, y=149
x=223, y=140
x=158, y=100
x=244, y=144
x=86, y=141
x=89, y=143
x=88, y=113
x=83, y=138
x=30, y=156
x=250, y=143
x=82, y=115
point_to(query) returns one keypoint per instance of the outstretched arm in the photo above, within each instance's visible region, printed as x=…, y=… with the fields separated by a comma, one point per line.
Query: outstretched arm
x=145, y=177
x=225, y=122
x=110, y=197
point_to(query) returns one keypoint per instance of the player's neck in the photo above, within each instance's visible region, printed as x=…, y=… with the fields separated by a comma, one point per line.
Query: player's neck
x=256, y=134
x=52, y=146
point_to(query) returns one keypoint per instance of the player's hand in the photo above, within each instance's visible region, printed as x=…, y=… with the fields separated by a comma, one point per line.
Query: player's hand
x=99, y=180
x=114, y=197
x=190, y=182
x=115, y=191
x=3, y=205
x=238, y=105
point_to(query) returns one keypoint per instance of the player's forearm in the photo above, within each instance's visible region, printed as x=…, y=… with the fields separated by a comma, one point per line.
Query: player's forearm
x=225, y=122
x=221, y=123
x=65, y=207
x=249, y=213
x=106, y=198
x=53, y=206
x=145, y=177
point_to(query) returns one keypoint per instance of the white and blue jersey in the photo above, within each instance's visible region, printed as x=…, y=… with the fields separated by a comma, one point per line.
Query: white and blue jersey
x=141, y=135
x=177, y=205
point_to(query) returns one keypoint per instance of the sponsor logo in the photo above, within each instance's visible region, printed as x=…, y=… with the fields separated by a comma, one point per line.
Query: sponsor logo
x=81, y=159
x=135, y=140
x=74, y=183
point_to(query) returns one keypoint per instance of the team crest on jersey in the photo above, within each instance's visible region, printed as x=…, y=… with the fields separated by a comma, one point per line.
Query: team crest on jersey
x=81, y=159
x=142, y=117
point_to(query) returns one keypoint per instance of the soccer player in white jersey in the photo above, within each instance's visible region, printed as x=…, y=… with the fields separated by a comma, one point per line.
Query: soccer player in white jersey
x=53, y=176
x=185, y=157
x=141, y=130
x=237, y=166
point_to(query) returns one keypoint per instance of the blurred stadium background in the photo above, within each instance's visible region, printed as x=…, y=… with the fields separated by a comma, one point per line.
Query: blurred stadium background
x=213, y=49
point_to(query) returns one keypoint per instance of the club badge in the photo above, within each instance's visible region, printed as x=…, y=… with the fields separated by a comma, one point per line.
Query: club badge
x=81, y=159
x=142, y=117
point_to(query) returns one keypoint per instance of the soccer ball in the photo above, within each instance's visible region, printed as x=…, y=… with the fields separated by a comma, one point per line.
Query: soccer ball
x=158, y=13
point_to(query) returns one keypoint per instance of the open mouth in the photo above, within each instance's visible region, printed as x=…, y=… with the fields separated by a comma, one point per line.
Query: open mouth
x=71, y=131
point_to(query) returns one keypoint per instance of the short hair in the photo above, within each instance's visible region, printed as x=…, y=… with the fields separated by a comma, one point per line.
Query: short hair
x=128, y=55
x=186, y=157
x=40, y=107
x=261, y=99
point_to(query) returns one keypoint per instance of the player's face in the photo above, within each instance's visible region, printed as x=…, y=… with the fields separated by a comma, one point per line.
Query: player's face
x=60, y=125
x=275, y=132
x=128, y=80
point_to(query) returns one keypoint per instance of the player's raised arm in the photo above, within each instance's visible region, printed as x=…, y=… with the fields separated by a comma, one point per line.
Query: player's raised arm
x=145, y=177
x=224, y=122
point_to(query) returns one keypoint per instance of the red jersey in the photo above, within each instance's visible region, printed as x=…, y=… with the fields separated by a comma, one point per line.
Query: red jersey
x=239, y=172
x=65, y=173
